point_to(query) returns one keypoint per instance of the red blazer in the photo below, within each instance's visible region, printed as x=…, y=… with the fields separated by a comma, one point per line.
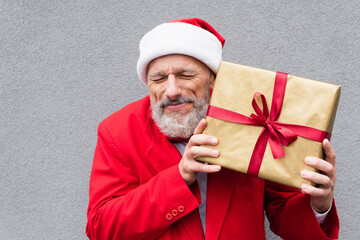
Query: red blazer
x=137, y=192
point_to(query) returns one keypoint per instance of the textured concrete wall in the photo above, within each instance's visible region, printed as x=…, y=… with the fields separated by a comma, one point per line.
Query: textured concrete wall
x=66, y=65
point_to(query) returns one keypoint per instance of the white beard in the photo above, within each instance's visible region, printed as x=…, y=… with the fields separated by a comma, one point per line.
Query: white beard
x=176, y=124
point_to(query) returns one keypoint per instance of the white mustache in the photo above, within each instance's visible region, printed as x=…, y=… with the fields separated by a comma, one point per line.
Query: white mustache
x=179, y=100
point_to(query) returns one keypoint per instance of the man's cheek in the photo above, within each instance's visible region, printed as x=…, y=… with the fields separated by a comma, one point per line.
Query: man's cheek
x=153, y=98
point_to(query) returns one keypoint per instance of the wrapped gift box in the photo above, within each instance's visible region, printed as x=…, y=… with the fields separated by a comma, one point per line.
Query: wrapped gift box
x=250, y=144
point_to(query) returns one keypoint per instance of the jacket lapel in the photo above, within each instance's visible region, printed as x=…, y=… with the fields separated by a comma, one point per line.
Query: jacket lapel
x=162, y=154
x=219, y=191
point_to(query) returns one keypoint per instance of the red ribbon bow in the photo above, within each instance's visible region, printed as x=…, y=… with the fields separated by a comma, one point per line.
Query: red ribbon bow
x=275, y=132
x=278, y=135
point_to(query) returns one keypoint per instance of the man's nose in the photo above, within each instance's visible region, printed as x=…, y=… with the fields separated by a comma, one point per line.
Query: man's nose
x=173, y=90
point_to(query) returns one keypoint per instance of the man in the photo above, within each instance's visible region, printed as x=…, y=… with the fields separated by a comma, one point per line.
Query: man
x=145, y=182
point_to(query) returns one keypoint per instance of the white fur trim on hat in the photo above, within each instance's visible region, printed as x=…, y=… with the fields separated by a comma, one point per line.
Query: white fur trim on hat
x=179, y=38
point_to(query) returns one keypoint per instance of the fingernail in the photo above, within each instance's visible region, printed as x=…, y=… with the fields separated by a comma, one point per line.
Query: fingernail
x=214, y=140
x=303, y=173
x=217, y=167
x=215, y=152
x=307, y=160
x=304, y=187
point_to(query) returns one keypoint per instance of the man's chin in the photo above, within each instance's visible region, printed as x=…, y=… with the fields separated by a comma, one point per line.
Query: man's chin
x=180, y=123
x=178, y=116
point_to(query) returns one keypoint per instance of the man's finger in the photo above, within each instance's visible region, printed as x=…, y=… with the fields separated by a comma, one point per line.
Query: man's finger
x=200, y=127
x=317, y=178
x=321, y=165
x=201, y=167
x=313, y=191
x=202, y=139
x=329, y=152
x=197, y=151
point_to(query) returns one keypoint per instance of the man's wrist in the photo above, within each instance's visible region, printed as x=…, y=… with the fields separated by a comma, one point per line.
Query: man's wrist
x=320, y=217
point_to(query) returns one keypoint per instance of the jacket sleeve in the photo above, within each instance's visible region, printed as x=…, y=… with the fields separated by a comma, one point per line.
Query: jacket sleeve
x=291, y=216
x=121, y=208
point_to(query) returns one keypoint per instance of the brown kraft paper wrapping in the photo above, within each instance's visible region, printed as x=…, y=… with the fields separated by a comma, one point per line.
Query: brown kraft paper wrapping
x=306, y=102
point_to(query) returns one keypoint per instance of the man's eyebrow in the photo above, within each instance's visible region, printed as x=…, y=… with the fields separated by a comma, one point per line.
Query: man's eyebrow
x=157, y=74
x=183, y=70
x=188, y=70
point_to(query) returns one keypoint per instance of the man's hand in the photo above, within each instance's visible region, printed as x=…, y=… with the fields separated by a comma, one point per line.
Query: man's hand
x=188, y=166
x=322, y=195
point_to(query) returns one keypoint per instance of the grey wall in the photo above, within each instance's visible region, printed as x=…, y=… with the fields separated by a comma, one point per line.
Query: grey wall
x=66, y=65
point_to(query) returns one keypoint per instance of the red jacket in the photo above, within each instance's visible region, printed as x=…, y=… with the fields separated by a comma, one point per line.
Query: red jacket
x=137, y=192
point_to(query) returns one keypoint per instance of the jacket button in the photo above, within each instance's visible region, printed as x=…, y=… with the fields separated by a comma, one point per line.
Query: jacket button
x=174, y=212
x=181, y=208
x=168, y=216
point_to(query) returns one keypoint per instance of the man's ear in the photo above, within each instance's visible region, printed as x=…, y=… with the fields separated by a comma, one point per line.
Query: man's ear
x=212, y=79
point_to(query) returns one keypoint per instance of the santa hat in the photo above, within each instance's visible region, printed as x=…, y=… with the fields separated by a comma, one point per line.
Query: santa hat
x=192, y=37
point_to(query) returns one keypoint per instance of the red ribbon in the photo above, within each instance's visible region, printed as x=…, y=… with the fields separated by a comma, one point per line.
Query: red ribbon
x=275, y=132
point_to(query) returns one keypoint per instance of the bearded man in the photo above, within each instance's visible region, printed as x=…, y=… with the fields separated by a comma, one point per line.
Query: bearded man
x=145, y=181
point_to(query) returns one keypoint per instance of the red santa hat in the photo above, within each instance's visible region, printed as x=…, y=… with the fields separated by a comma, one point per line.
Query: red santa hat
x=192, y=36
